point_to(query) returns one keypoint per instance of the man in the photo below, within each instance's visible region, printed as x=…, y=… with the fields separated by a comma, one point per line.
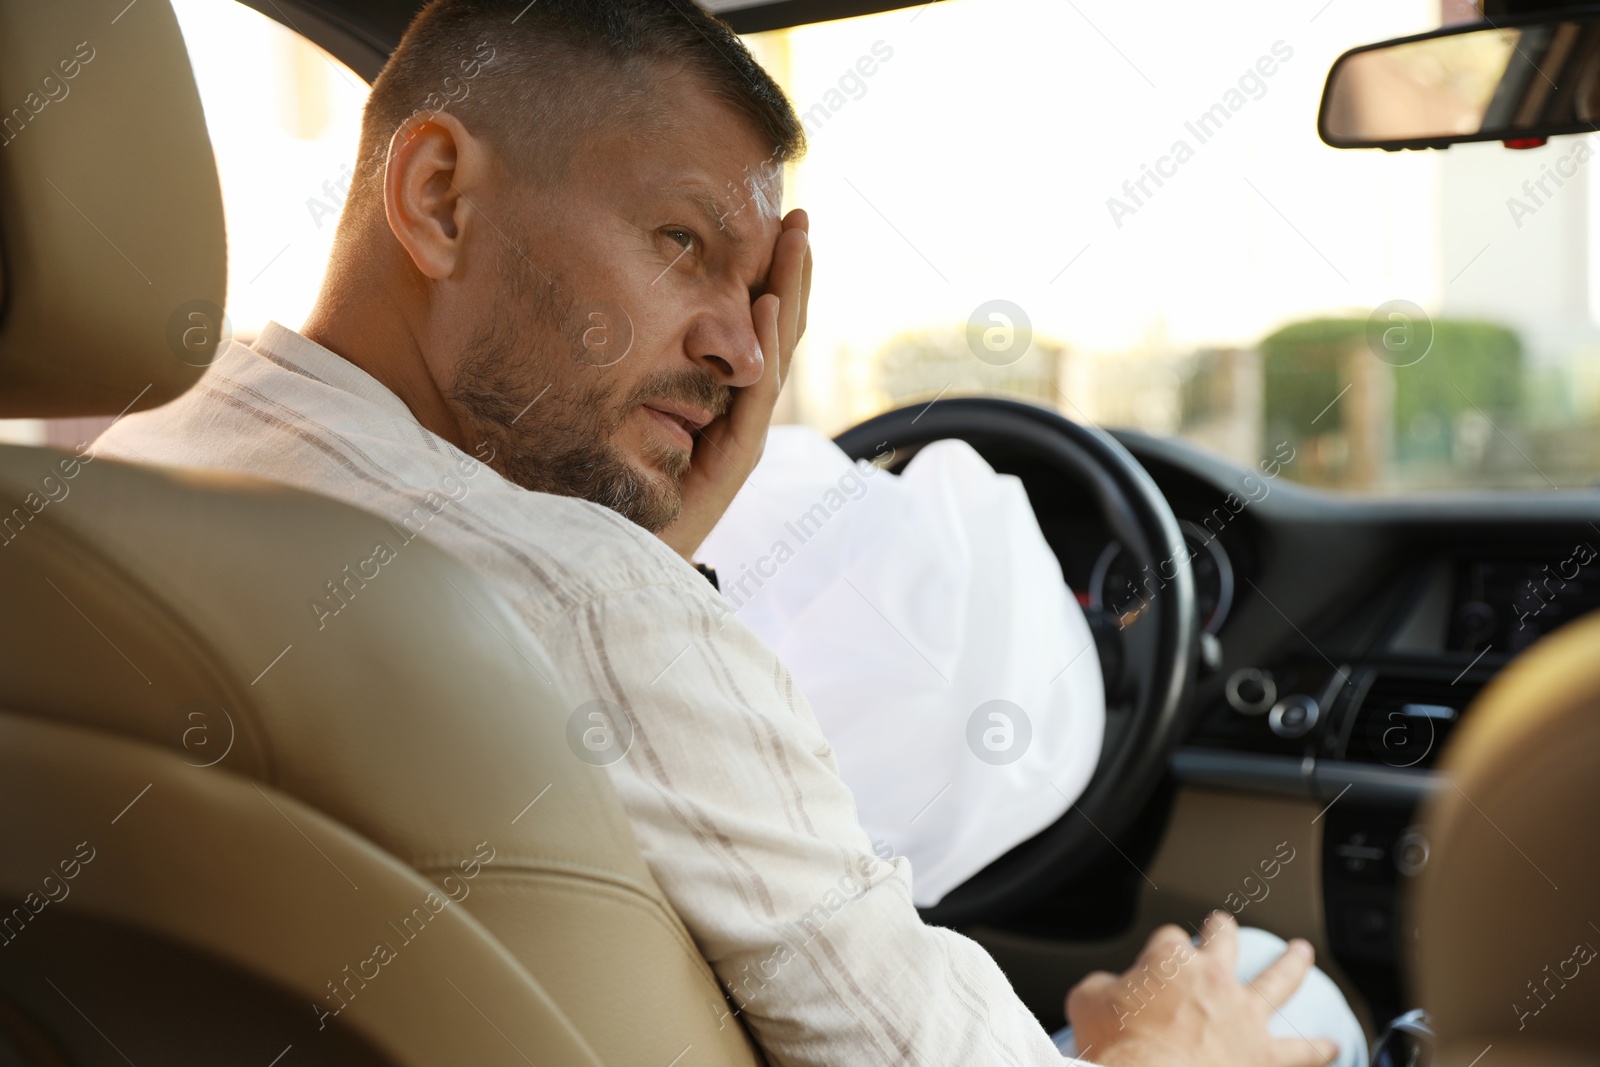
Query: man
x=562, y=254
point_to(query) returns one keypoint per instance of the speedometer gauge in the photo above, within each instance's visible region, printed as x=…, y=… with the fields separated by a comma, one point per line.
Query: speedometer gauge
x=1119, y=585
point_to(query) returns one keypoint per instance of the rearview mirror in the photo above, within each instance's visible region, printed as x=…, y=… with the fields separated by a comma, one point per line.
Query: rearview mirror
x=1518, y=81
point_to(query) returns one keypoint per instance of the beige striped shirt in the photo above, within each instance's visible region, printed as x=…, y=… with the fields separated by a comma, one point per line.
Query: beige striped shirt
x=731, y=788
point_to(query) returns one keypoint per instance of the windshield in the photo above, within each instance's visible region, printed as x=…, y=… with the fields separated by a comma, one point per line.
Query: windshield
x=1122, y=212
x=1126, y=214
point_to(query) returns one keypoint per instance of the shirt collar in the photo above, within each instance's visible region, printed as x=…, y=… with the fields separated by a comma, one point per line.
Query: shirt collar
x=305, y=356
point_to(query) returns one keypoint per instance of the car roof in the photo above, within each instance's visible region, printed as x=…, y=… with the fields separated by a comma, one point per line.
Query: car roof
x=362, y=33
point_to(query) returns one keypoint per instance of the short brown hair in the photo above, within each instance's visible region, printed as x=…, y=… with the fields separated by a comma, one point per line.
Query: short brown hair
x=532, y=78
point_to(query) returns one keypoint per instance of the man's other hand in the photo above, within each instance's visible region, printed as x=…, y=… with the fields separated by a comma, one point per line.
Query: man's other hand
x=1181, y=1006
x=727, y=450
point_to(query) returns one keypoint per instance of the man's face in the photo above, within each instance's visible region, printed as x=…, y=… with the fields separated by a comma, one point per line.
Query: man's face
x=608, y=318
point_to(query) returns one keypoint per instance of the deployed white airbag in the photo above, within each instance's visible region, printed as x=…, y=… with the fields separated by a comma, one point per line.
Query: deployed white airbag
x=927, y=622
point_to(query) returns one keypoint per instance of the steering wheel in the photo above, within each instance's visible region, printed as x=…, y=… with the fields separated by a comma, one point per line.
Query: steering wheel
x=1155, y=654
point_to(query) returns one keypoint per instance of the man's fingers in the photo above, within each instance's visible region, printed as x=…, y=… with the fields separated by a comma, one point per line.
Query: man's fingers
x=1167, y=947
x=1165, y=939
x=1095, y=987
x=1093, y=982
x=805, y=290
x=1213, y=925
x=788, y=269
x=791, y=277
x=1283, y=976
x=739, y=435
x=1304, y=1052
x=1219, y=937
x=767, y=314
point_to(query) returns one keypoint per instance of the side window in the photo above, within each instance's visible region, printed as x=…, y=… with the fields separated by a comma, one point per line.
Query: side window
x=284, y=118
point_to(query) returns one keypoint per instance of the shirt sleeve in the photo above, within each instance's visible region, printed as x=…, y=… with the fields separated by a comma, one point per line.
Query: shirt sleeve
x=735, y=798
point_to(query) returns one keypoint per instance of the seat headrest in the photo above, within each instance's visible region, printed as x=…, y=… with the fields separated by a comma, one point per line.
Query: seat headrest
x=1506, y=907
x=112, y=250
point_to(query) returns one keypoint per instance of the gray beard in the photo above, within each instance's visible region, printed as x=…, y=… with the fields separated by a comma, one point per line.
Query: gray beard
x=552, y=438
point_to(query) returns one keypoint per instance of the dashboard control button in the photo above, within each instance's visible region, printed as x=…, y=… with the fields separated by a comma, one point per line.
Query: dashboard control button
x=1251, y=691
x=1294, y=716
x=1357, y=853
x=1411, y=854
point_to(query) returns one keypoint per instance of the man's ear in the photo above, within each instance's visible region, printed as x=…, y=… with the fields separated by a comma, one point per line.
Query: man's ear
x=434, y=168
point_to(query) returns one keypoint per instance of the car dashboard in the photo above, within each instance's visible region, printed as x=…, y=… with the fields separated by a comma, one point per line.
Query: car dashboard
x=1351, y=635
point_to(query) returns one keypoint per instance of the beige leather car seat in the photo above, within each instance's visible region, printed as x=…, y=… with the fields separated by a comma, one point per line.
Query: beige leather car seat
x=1508, y=909
x=225, y=833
